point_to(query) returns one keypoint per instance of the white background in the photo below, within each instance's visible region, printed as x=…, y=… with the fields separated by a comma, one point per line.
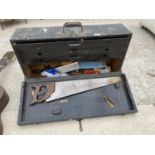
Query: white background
x=77, y=9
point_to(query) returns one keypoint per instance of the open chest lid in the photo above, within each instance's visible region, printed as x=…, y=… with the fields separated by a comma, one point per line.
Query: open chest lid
x=102, y=100
x=74, y=96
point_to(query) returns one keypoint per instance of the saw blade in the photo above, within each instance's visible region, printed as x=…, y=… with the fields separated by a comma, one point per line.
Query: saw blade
x=67, y=88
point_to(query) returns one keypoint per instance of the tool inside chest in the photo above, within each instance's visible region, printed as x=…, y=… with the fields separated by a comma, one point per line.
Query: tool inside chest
x=72, y=72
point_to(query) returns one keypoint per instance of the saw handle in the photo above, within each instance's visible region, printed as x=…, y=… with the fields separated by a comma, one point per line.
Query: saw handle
x=40, y=92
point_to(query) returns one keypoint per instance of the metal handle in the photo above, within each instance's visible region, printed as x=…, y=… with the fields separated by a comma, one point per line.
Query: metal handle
x=72, y=24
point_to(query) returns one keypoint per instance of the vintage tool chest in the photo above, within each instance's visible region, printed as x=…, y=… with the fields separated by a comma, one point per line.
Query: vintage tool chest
x=39, y=47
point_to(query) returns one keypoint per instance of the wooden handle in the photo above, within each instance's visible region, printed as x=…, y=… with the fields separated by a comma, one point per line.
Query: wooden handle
x=38, y=96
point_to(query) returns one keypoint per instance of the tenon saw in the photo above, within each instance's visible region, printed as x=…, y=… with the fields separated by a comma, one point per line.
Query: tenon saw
x=51, y=91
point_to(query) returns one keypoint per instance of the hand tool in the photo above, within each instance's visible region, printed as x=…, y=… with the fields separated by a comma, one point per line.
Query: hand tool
x=67, y=88
x=109, y=101
x=68, y=67
x=90, y=71
x=40, y=92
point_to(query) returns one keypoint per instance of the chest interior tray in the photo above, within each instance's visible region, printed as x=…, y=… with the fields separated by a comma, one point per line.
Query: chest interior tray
x=86, y=104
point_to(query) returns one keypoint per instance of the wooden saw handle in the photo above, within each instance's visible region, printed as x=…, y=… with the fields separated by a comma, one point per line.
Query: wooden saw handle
x=42, y=91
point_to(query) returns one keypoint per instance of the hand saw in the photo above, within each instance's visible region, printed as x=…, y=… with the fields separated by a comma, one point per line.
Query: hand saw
x=63, y=89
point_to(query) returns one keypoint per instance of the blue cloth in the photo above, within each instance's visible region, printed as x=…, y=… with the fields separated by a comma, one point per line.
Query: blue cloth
x=51, y=71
